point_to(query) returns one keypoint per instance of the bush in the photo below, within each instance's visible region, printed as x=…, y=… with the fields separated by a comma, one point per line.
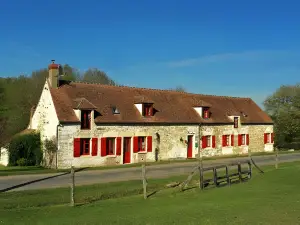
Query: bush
x=25, y=150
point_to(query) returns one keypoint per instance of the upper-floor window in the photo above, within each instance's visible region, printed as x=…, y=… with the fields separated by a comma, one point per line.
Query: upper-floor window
x=236, y=122
x=86, y=119
x=147, y=109
x=205, y=113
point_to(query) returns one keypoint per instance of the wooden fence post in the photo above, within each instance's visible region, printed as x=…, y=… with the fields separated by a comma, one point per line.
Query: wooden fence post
x=72, y=186
x=240, y=171
x=144, y=180
x=276, y=159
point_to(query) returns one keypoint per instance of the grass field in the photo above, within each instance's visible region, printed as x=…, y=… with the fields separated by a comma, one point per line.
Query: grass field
x=17, y=170
x=270, y=198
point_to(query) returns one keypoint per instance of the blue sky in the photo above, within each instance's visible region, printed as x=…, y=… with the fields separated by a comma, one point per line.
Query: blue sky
x=238, y=48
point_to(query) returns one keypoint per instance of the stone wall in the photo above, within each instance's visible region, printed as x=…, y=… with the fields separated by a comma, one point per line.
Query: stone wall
x=171, y=142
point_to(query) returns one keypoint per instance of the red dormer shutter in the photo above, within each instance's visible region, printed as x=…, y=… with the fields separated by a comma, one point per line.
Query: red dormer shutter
x=119, y=144
x=149, y=144
x=204, y=142
x=76, y=147
x=94, y=146
x=247, y=139
x=213, y=141
x=232, y=140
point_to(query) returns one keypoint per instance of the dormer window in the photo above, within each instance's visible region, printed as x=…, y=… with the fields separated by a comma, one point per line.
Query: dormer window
x=86, y=119
x=205, y=112
x=147, y=109
x=236, y=122
x=115, y=110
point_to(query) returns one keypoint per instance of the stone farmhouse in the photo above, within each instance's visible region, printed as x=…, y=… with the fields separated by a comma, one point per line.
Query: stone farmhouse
x=95, y=124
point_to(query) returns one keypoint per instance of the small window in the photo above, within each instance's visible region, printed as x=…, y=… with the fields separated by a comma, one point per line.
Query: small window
x=236, y=122
x=206, y=113
x=84, y=146
x=147, y=109
x=115, y=110
x=208, y=141
x=141, y=144
x=110, y=146
x=85, y=119
x=244, y=142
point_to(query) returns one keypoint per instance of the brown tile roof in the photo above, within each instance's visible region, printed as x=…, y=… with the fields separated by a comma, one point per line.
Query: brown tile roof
x=170, y=106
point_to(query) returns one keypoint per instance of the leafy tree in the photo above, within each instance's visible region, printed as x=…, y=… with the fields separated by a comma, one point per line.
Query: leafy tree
x=284, y=108
x=69, y=73
x=97, y=76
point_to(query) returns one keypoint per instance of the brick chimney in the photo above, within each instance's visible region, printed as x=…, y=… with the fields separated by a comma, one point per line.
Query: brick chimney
x=53, y=74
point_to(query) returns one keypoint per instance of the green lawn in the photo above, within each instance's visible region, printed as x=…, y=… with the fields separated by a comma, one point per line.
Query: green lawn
x=270, y=198
x=17, y=170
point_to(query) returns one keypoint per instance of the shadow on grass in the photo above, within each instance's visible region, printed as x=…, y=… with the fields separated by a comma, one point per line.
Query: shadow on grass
x=36, y=181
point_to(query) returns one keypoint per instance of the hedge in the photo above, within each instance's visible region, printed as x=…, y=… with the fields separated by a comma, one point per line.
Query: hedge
x=25, y=150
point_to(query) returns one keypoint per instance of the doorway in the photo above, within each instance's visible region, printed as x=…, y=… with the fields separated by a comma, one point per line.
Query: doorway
x=190, y=146
x=126, y=150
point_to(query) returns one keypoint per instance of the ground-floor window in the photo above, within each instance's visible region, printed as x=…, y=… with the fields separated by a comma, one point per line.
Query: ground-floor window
x=209, y=141
x=81, y=146
x=227, y=140
x=269, y=138
x=142, y=144
x=110, y=146
x=243, y=139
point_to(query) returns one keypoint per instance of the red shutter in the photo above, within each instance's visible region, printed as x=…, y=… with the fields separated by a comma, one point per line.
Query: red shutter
x=239, y=140
x=94, y=146
x=232, y=140
x=223, y=140
x=119, y=144
x=265, y=138
x=103, y=146
x=204, y=142
x=247, y=139
x=213, y=141
x=272, y=137
x=135, y=144
x=76, y=147
x=149, y=144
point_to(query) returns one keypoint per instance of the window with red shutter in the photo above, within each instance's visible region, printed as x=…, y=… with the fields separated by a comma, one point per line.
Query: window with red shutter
x=85, y=119
x=232, y=140
x=149, y=144
x=84, y=146
x=119, y=145
x=147, y=109
x=94, y=146
x=223, y=140
x=76, y=147
x=110, y=146
x=213, y=141
x=103, y=146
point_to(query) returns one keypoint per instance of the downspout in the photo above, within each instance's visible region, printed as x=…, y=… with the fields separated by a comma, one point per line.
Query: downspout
x=200, y=162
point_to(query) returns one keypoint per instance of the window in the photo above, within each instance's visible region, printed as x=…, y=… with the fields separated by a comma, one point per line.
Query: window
x=243, y=139
x=85, y=119
x=236, y=122
x=147, y=109
x=269, y=138
x=209, y=141
x=227, y=140
x=110, y=146
x=84, y=146
x=205, y=113
x=141, y=144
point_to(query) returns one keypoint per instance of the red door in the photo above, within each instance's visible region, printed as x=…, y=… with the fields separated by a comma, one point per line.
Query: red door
x=126, y=150
x=190, y=146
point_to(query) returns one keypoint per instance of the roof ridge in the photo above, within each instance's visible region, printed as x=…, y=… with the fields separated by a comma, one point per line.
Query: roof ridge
x=157, y=89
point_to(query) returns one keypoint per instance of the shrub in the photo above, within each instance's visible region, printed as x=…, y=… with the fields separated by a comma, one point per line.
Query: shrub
x=25, y=150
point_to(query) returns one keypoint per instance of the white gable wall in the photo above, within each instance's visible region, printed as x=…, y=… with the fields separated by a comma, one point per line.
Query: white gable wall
x=45, y=118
